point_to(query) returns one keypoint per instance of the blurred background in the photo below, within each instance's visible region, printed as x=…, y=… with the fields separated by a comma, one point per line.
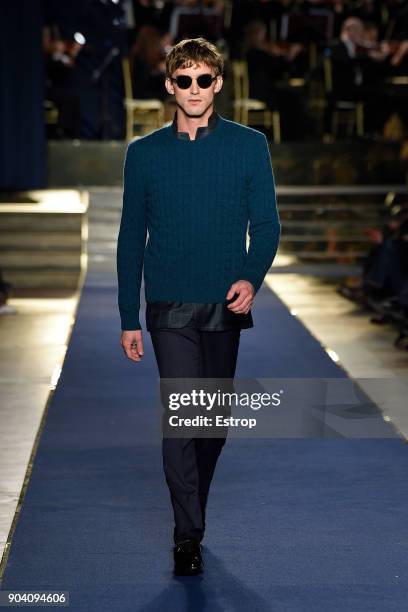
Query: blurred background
x=93, y=70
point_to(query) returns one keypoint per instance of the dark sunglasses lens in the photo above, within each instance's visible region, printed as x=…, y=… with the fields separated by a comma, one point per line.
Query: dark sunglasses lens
x=204, y=80
x=183, y=81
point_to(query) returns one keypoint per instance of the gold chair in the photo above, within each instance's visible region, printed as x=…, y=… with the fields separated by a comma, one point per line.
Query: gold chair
x=148, y=113
x=50, y=112
x=245, y=107
x=398, y=80
x=353, y=110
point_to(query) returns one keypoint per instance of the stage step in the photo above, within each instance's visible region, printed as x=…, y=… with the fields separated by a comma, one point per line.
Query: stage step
x=326, y=223
x=43, y=237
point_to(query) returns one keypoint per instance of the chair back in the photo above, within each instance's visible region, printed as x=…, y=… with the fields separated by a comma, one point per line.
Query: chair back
x=327, y=74
x=241, y=80
x=127, y=78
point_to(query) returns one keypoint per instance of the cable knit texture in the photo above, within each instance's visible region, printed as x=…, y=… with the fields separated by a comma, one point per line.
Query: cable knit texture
x=192, y=200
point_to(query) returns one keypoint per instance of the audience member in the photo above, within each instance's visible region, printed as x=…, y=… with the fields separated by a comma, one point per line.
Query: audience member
x=269, y=68
x=59, y=61
x=148, y=62
x=358, y=71
x=368, y=46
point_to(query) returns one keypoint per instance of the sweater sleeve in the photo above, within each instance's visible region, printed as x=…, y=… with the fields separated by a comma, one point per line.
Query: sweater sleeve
x=264, y=224
x=131, y=239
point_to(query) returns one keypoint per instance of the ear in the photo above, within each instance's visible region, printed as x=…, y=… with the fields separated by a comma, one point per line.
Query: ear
x=169, y=86
x=218, y=84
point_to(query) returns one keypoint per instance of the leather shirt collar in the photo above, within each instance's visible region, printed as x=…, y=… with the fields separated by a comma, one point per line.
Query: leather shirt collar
x=201, y=131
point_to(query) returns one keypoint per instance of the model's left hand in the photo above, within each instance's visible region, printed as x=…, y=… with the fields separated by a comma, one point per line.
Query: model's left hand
x=246, y=292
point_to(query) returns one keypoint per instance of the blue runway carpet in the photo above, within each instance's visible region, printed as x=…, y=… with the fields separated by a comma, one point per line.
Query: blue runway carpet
x=293, y=524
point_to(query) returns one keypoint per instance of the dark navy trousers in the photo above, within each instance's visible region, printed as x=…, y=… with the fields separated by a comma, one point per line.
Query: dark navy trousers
x=189, y=462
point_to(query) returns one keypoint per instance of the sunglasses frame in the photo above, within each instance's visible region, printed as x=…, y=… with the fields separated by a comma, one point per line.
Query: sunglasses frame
x=191, y=80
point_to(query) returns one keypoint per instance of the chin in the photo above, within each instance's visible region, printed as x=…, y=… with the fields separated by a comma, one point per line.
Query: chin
x=194, y=110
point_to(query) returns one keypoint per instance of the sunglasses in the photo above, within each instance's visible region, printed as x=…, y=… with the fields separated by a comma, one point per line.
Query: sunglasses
x=203, y=81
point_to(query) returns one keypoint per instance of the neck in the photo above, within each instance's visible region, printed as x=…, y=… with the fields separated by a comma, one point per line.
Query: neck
x=186, y=123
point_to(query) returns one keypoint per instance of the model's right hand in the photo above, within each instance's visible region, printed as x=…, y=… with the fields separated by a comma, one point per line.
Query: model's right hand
x=132, y=344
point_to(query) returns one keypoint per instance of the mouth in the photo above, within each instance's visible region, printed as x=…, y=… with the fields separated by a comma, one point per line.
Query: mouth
x=194, y=101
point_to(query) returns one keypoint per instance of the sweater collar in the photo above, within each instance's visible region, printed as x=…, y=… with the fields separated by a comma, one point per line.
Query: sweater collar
x=201, y=132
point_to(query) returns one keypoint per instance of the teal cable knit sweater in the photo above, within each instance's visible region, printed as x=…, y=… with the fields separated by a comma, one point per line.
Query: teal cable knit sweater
x=194, y=198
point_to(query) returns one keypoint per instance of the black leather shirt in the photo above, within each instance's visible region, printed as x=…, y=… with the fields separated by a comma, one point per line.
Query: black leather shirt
x=206, y=317
x=203, y=316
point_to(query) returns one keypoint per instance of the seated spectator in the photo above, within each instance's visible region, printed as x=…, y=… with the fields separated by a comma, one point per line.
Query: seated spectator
x=148, y=56
x=359, y=69
x=346, y=73
x=269, y=67
x=59, y=61
x=392, y=58
x=385, y=269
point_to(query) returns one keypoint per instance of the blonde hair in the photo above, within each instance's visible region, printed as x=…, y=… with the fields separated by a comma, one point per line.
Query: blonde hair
x=192, y=51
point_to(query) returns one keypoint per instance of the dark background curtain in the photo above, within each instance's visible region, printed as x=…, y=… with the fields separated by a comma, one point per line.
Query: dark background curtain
x=22, y=130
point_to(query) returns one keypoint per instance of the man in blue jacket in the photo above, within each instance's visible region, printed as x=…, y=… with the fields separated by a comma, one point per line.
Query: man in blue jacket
x=193, y=186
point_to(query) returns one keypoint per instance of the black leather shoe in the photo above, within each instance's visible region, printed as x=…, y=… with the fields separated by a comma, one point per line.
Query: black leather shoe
x=188, y=560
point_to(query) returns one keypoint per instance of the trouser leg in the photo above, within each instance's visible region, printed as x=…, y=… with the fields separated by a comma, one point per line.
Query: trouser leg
x=189, y=463
x=219, y=351
x=178, y=356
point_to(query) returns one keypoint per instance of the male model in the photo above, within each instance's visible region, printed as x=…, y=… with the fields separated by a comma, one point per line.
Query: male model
x=194, y=186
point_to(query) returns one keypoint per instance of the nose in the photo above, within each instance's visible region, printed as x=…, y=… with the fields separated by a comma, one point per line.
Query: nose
x=194, y=86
